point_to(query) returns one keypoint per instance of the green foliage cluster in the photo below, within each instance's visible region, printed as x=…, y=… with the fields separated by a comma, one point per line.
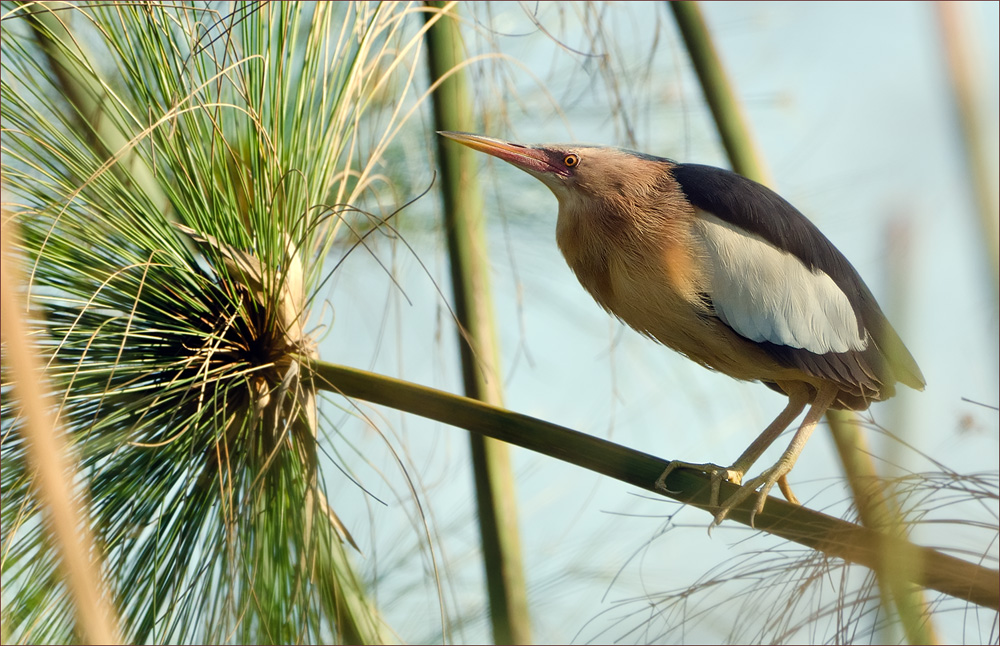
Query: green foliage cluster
x=177, y=177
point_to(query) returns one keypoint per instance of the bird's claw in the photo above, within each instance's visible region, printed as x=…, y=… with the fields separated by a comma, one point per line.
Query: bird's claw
x=776, y=475
x=717, y=474
x=765, y=482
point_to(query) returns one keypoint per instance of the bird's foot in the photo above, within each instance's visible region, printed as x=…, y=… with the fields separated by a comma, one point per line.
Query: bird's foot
x=761, y=486
x=717, y=473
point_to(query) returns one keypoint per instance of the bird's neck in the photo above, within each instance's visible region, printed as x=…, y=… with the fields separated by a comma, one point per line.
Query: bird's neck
x=583, y=241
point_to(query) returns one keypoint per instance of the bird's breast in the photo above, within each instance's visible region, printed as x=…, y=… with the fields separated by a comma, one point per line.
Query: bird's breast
x=650, y=279
x=622, y=260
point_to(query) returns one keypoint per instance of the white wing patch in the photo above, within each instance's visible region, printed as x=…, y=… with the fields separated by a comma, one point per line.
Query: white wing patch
x=767, y=294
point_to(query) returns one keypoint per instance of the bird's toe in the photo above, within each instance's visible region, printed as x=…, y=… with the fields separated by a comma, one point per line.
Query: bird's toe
x=760, y=486
x=786, y=490
x=716, y=473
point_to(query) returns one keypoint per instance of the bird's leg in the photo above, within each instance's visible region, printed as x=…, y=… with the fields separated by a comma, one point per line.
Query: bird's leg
x=798, y=397
x=796, y=402
x=766, y=480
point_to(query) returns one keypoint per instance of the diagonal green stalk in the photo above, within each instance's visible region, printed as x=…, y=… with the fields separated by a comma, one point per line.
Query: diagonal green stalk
x=955, y=43
x=832, y=536
x=467, y=249
x=727, y=111
x=735, y=132
x=875, y=508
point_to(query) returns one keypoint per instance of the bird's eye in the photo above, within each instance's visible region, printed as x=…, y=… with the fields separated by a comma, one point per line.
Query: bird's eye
x=571, y=161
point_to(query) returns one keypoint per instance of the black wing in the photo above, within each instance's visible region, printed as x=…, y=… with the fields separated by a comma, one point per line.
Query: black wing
x=759, y=210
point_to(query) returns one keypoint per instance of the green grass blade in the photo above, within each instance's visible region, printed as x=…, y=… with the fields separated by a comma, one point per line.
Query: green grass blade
x=467, y=251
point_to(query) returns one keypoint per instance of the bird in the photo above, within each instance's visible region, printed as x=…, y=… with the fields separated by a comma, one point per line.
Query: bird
x=729, y=274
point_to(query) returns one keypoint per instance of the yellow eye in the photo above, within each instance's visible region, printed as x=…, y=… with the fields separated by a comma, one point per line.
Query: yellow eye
x=571, y=161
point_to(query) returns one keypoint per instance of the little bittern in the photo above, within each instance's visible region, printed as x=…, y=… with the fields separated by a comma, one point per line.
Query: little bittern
x=729, y=274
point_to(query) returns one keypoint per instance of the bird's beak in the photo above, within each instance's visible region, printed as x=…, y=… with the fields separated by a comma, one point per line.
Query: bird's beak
x=526, y=158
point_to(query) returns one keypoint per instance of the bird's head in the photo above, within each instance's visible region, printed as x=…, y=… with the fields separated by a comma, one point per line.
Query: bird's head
x=579, y=175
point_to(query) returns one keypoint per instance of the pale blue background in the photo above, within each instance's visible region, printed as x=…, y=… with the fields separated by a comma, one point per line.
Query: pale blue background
x=852, y=110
